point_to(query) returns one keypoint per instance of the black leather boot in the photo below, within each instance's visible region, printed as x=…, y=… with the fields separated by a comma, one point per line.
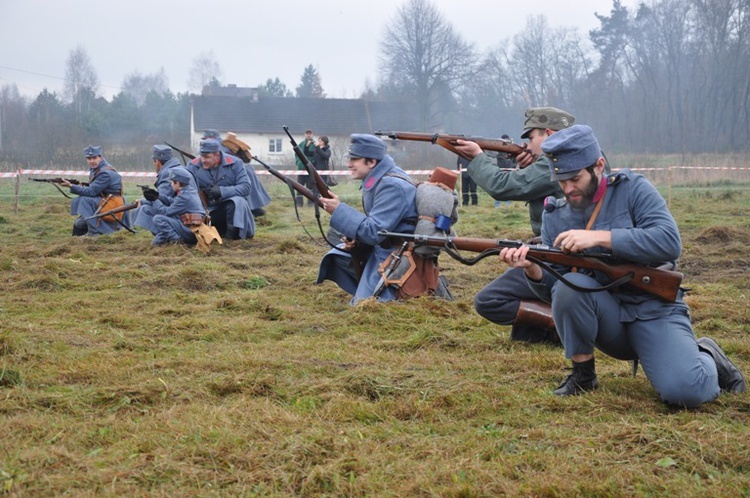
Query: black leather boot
x=80, y=228
x=582, y=379
x=730, y=377
x=232, y=233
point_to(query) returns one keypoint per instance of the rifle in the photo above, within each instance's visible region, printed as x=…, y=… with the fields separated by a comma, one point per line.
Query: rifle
x=450, y=141
x=658, y=282
x=320, y=184
x=183, y=153
x=359, y=254
x=112, y=212
x=57, y=181
x=293, y=185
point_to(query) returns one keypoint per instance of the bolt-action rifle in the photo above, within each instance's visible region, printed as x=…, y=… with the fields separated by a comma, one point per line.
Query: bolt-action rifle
x=320, y=184
x=110, y=215
x=664, y=284
x=450, y=141
x=58, y=181
x=359, y=254
x=186, y=156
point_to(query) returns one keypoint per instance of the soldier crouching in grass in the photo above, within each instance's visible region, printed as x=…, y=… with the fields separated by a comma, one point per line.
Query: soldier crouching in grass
x=223, y=180
x=174, y=223
x=389, y=200
x=103, y=192
x=625, y=216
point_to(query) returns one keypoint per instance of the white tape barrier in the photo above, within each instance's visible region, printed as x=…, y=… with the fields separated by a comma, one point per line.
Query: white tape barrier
x=294, y=172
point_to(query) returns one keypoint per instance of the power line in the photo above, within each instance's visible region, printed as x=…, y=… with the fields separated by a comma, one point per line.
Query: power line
x=117, y=87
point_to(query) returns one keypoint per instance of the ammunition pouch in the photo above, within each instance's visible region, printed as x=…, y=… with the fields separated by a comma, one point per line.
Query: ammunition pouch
x=414, y=275
x=191, y=219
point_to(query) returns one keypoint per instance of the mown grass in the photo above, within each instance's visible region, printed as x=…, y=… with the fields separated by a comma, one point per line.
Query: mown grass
x=127, y=370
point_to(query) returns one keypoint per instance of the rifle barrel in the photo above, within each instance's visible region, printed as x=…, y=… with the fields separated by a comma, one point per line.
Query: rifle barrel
x=450, y=141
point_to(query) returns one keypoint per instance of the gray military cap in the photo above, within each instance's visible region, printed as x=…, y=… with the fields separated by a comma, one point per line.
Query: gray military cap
x=546, y=117
x=571, y=150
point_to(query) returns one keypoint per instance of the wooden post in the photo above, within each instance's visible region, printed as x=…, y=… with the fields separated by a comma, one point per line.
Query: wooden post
x=18, y=190
x=669, y=182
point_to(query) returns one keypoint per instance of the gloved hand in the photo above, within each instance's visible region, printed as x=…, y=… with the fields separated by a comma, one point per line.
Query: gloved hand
x=150, y=194
x=213, y=192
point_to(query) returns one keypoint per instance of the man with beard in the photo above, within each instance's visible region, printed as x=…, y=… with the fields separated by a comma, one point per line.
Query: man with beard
x=622, y=215
x=507, y=300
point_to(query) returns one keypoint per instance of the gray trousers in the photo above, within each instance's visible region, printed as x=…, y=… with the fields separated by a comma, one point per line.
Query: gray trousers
x=665, y=346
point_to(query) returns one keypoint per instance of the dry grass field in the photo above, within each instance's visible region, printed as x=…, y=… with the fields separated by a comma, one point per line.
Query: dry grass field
x=127, y=370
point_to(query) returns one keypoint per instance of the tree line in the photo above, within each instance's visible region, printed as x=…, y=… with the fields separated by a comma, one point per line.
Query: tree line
x=669, y=76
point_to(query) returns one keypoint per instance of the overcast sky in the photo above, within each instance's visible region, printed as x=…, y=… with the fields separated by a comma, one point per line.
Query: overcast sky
x=253, y=40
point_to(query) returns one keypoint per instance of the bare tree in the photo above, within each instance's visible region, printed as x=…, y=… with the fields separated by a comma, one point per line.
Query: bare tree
x=422, y=54
x=138, y=86
x=547, y=63
x=81, y=81
x=204, y=70
x=310, y=84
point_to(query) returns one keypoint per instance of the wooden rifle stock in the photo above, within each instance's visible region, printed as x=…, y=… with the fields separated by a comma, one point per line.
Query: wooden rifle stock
x=450, y=141
x=117, y=210
x=292, y=183
x=320, y=184
x=659, y=282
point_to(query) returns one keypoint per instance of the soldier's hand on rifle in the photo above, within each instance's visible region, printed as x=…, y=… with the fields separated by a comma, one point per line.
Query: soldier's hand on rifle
x=468, y=148
x=579, y=240
x=213, y=192
x=150, y=194
x=330, y=204
x=66, y=183
x=515, y=257
x=349, y=244
x=525, y=158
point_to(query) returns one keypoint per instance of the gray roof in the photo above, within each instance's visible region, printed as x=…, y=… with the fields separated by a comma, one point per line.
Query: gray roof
x=324, y=116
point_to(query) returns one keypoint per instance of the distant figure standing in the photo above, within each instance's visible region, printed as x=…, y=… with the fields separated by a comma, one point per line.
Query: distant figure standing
x=308, y=149
x=505, y=161
x=321, y=158
x=468, y=185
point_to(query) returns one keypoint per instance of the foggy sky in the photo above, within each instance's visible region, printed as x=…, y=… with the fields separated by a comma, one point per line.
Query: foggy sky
x=253, y=40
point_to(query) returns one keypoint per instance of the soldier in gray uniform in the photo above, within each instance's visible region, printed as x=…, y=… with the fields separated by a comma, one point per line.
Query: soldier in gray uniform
x=154, y=199
x=508, y=300
x=173, y=223
x=104, y=182
x=622, y=215
x=259, y=197
x=223, y=180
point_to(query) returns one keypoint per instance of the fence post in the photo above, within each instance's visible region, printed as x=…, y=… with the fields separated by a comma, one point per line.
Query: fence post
x=669, y=182
x=17, y=191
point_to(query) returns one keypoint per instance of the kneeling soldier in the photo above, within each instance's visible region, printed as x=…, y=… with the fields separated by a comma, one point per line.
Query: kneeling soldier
x=174, y=222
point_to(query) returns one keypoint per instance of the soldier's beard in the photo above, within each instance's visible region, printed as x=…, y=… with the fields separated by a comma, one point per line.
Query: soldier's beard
x=587, y=198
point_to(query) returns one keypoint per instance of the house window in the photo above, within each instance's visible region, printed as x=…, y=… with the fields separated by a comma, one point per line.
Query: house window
x=274, y=145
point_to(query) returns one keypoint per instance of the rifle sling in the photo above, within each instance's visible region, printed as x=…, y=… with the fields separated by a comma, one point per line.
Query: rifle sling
x=61, y=191
x=451, y=250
